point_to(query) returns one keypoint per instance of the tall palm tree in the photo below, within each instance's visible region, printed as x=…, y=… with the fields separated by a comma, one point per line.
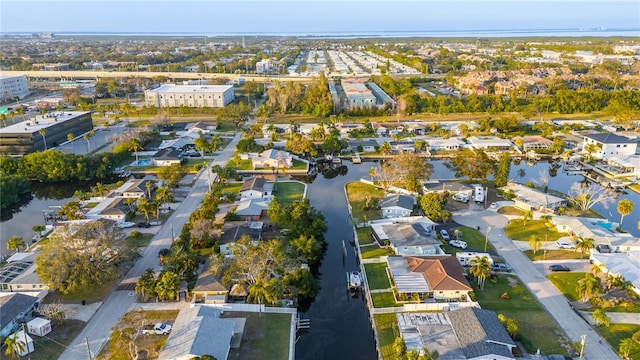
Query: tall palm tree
x=101, y=189
x=43, y=133
x=134, y=145
x=526, y=215
x=70, y=137
x=86, y=138
x=15, y=345
x=480, y=268
x=15, y=242
x=588, y=286
x=148, y=185
x=625, y=207
x=534, y=243
x=585, y=245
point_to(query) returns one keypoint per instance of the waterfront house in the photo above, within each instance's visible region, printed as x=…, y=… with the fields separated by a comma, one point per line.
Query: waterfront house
x=272, y=158
x=167, y=156
x=527, y=198
x=442, y=144
x=200, y=331
x=135, y=188
x=19, y=275
x=438, y=277
x=489, y=143
x=598, y=229
x=13, y=308
x=625, y=265
x=397, y=205
x=412, y=236
x=256, y=188
x=442, y=187
x=610, y=145
x=251, y=209
x=365, y=146
x=534, y=143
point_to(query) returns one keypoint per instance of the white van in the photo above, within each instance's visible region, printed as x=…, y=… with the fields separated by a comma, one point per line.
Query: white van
x=478, y=193
x=462, y=197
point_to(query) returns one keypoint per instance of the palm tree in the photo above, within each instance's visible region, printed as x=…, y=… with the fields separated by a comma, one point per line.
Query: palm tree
x=15, y=242
x=258, y=293
x=625, y=207
x=596, y=269
x=480, y=268
x=626, y=346
x=534, y=243
x=385, y=148
x=100, y=189
x=14, y=345
x=3, y=119
x=526, y=215
x=70, y=137
x=601, y=318
x=86, y=138
x=588, y=286
x=43, y=133
x=584, y=245
x=214, y=145
x=38, y=229
x=134, y=145
x=148, y=185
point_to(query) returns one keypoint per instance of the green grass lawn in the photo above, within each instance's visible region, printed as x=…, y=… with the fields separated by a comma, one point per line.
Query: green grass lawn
x=509, y=210
x=535, y=328
x=298, y=165
x=266, y=336
x=51, y=346
x=370, y=252
x=475, y=239
x=552, y=255
x=231, y=187
x=387, y=327
x=616, y=332
x=90, y=294
x=377, y=276
x=364, y=235
x=289, y=191
x=357, y=193
x=241, y=165
x=383, y=300
x=541, y=228
x=138, y=241
x=566, y=283
x=192, y=164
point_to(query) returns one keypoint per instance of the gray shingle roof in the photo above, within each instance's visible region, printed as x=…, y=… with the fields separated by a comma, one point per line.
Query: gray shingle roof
x=480, y=333
x=12, y=305
x=403, y=201
x=610, y=138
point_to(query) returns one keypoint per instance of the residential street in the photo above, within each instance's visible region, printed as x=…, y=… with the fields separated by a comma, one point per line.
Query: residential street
x=118, y=302
x=548, y=296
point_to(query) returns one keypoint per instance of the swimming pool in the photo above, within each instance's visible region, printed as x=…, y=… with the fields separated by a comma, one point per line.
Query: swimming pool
x=605, y=225
x=145, y=162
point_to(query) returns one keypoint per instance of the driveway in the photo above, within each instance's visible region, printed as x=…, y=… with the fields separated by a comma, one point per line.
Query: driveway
x=119, y=301
x=556, y=305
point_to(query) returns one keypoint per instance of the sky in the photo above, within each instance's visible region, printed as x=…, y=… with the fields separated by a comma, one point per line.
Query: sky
x=310, y=17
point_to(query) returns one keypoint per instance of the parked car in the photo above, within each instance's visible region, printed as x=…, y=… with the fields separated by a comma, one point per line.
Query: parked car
x=458, y=244
x=126, y=224
x=144, y=224
x=564, y=244
x=444, y=234
x=157, y=329
x=494, y=205
x=461, y=197
x=501, y=267
x=558, y=267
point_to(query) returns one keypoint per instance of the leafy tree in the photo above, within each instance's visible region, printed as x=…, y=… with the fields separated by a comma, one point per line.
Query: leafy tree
x=474, y=164
x=43, y=133
x=385, y=148
x=584, y=245
x=601, y=318
x=201, y=145
x=510, y=325
x=89, y=257
x=625, y=207
x=301, y=283
x=503, y=169
x=433, y=204
x=14, y=345
x=626, y=347
x=557, y=145
x=71, y=211
x=172, y=174
x=167, y=285
x=13, y=187
x=480, y=268
x=38, y=229
x=399, y=347
x=224, y=173
x=15, y=242
x=588, y=287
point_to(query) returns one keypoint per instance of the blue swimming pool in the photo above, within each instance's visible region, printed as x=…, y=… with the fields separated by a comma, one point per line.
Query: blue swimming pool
x=606, y=225
x=145, y=162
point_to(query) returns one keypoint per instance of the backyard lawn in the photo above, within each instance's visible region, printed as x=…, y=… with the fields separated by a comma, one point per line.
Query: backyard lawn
x=289, y=191
x=377, y=276
x=241, y=165
x=266, y=336
x=231, y=187
x=535, y=328
x=383, y=299
x=358, y=193
x=387, y=327
x=541, y=228
x=51, y=346
x=616, y=332
x=566, y=283
x=369, y=252
x=141, y=240
x=298, y=165
x=364, y=235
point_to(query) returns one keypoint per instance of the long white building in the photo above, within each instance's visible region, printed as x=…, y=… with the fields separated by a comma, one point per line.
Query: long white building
x=169, y=95
x=12, y=86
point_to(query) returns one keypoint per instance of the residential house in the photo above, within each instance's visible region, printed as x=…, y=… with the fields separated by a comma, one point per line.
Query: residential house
x=628, y=165
x=610, y=145
x=199, y=331
x=272, y=158
x=403, y=146
x=345, y=128
x=251, y=209
x=256, y=188
x=209, y=290
x=167, y=156
x=626, y=265
x=19, y=275
x=412, y=237
x=437, y=277
x=134, y=188
x=442, y=187
x=365, y=146
x=490, y=143
x=598, y=229
x=527, y=198
x=13, y=308
x=534, y=143
x=202, y=128
x=480, y=334
x=397, y=205
x=115, y=209
x=441, y=144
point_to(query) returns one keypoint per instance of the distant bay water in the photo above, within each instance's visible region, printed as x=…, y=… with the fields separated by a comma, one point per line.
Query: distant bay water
x=498, y=33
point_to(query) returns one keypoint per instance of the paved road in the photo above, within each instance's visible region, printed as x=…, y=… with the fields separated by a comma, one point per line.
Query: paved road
x=120, y=300
x=548, y=296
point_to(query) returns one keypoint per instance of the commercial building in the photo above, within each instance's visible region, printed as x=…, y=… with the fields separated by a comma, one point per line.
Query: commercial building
x=358, y=94
x=169, y=95
x=43, y=131
x=12, y=86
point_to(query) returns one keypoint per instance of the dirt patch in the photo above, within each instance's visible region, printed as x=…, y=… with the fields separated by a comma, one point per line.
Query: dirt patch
x=513, y=282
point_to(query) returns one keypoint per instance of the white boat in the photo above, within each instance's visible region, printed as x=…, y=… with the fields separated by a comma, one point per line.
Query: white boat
x=355, y=281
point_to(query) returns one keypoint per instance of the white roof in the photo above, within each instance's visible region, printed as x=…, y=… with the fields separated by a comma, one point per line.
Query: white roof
x=171, y=88
x=405, y=280
x=38, y=122
x=21, y=256
x=625, y=264
x=532, y=196
x=38, y=322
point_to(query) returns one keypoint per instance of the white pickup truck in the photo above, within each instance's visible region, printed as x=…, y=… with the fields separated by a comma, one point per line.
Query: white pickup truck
x=157, y=329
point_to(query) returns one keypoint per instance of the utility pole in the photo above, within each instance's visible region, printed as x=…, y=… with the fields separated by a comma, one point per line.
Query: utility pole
x=582, y=341
x=86, y=339
x=486, y=239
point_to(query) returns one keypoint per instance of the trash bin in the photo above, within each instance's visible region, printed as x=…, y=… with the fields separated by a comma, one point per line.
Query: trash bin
x=84, y=302
x=478, y=228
